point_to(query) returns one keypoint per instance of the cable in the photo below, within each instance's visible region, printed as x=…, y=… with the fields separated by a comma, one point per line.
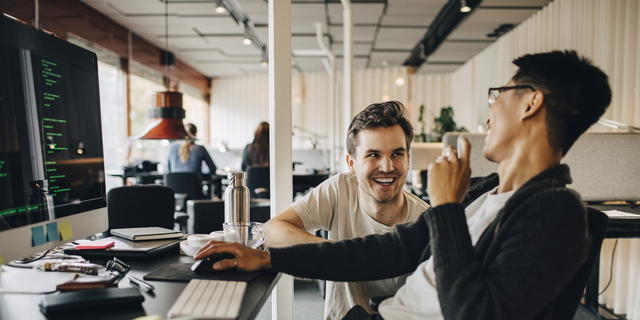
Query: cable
x=591, y=305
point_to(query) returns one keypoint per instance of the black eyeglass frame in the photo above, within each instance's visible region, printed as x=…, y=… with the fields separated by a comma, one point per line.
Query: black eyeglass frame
x=500, y=89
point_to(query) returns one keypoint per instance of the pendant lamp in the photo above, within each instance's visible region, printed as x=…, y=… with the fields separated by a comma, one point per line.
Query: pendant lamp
x=167, y=113
x=166, y=107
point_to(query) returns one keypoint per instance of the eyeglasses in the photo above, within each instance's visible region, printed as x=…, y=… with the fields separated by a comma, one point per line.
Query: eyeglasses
x=495, y=92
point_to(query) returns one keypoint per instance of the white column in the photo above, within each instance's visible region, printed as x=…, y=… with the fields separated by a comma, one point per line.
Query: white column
x=280, y=135
x=347, y=27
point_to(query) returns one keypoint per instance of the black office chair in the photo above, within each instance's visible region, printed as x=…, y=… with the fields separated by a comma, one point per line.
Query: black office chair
x=566, y=304
x=187, y=186
x=258, y=181
x=141, y=206
x=188, y=183
x=205, y=216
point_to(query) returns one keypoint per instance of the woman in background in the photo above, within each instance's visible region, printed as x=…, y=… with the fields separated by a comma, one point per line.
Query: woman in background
x=257, y=153
x=187, y=156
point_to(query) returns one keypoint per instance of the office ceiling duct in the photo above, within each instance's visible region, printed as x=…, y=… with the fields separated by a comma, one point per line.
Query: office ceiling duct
x=445, y=22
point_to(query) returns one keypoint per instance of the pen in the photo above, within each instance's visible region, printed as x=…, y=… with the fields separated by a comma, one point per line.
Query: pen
x=141, y=283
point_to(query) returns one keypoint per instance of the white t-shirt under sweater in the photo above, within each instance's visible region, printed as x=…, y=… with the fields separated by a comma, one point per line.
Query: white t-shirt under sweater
x=334, y=206
x=418, y=298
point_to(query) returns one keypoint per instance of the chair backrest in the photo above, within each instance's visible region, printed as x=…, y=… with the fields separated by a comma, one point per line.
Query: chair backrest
x=257, y=177
x=141, y=206
x=205, y=216
x=185, y=182
x=566, y=304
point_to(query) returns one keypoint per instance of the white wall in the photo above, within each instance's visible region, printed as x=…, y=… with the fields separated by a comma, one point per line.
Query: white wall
x=606, y=31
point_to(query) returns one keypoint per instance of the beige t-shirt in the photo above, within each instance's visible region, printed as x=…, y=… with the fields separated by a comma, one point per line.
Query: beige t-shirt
x=334, y=206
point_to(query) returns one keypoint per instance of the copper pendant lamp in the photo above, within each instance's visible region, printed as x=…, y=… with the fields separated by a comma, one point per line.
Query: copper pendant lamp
x=166, y=107
x=168, y=114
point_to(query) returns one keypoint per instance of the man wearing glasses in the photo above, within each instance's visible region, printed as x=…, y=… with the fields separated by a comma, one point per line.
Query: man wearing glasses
x=500, y=247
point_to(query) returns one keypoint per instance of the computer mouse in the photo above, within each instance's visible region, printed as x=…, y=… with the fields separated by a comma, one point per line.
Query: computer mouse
x=206, y=264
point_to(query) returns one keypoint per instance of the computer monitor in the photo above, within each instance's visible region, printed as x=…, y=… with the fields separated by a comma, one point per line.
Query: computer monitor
x=50, y=140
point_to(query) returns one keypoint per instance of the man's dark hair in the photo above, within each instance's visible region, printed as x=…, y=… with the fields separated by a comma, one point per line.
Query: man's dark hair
x=576, y=93
x=385, y=114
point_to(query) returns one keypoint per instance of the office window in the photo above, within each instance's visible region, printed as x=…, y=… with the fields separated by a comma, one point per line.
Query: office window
x=196, y=109
x=143, y=85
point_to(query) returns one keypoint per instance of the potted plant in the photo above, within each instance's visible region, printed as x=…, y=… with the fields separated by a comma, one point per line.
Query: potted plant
x=444, y=124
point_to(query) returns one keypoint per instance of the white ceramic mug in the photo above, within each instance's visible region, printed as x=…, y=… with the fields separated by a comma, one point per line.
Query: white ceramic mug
x=249, y=234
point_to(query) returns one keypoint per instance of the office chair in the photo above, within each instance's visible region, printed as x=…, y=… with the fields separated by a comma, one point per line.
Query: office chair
x=187, y=186
x=187, y=183
x=205, y=216
x=566, y=304
x=141, y=206
x=258, y=181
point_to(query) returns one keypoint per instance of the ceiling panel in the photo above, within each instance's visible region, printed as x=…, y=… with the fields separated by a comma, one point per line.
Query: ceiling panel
x=213, y=25
x=306, y=43
x=407, y=20
x=484, y=21
x=437, y=68
x=511, y=3
x=359, y=33
x=456, y=51
x=358, y=63
x=362, y=13
x=358, y=49
x=382, y=59
x=396, y=27
x=398, y=38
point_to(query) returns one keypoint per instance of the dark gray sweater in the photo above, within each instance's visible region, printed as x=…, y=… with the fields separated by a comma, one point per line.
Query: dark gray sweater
x=519, y=266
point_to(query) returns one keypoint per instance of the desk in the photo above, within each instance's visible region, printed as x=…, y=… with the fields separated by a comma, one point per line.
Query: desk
x=25, y=306
x=618, y=228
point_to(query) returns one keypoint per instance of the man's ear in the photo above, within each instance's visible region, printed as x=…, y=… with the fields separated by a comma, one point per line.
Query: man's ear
x=534, y=104
x=350, y=163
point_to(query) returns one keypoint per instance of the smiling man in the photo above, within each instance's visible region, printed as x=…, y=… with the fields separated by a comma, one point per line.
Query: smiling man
x=367, y=200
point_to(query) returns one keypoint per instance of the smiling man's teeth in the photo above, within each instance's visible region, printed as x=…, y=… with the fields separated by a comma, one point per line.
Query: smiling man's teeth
x=383, y=180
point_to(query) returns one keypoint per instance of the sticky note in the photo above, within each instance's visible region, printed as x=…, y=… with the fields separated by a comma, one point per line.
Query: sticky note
x=52, y=232
x=65, y=230
x=37, y=236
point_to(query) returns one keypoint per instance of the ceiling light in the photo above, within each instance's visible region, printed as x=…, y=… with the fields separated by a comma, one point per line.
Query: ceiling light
x=246, y=41
x=464, y=7
x=220, y=7
x=167, y=110
x=400, y=81
x=264, y=64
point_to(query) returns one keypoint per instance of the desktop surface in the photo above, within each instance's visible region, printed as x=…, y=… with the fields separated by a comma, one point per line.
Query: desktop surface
x=158, y=302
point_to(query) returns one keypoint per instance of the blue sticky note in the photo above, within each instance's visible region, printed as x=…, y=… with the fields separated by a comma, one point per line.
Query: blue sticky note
x=52, y=232
x=37, y=236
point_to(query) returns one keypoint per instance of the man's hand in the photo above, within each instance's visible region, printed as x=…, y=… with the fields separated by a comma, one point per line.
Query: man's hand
x=248, y=259
x=449, y=177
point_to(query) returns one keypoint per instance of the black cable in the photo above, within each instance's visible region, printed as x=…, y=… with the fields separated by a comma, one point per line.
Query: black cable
x=613, y=254
x=591, y=305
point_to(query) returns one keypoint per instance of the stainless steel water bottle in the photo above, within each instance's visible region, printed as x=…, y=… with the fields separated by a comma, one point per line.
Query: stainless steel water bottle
x=236, y=198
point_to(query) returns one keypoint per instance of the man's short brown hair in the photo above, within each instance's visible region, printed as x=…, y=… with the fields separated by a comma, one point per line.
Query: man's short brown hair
x=385, y=114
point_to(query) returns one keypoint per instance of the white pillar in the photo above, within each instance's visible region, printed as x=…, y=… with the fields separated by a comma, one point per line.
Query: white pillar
x=280, y=135
x=347, y=25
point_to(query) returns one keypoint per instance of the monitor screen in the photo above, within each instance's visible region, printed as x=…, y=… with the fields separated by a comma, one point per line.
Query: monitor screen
x=51, y=157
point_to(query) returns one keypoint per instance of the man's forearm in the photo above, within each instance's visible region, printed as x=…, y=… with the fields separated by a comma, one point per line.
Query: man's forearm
x=282, y=234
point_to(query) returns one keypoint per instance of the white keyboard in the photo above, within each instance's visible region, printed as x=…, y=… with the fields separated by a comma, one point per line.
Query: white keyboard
x=209, y=299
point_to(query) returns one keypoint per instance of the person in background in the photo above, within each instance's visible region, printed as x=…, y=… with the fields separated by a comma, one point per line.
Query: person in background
x=187, y=156
x=257, y=153
x=369, y=199
x=505, y=246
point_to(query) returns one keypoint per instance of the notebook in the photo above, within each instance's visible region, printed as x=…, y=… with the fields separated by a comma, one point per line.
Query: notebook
x=147, y=233
x=130, y=249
